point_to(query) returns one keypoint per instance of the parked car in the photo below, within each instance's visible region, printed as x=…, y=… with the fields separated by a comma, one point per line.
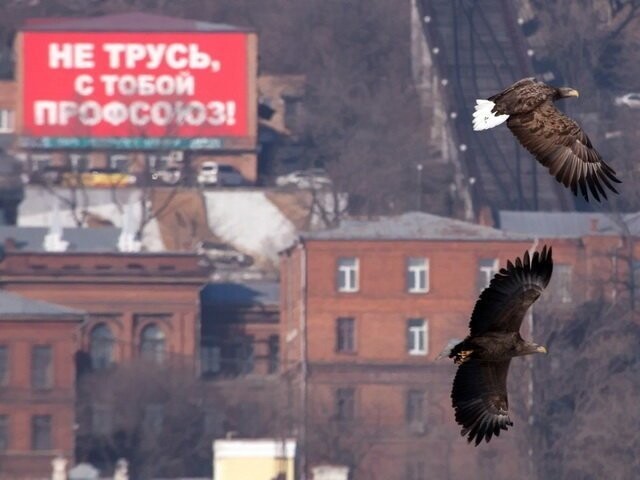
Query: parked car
x=100, y=178
x=631, y=100
x=168, y=176
x=223, y=253
x=314, y=178
x=212, y=173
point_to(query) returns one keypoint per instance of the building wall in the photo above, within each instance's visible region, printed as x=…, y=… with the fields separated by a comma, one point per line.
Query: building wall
x=20, y=402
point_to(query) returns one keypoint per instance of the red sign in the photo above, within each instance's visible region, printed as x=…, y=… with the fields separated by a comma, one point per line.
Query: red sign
x=152, y=85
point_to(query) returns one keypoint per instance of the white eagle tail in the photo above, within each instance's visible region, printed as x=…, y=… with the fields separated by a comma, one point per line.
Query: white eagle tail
x=484, y=118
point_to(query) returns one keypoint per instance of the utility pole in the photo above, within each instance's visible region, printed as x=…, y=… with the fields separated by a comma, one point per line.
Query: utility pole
x=419, y=167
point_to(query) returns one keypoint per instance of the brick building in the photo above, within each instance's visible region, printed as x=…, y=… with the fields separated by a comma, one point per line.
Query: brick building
x=37, y=384
x=365, y=310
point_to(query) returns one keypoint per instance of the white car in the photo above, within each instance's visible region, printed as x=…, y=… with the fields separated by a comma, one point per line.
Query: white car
x=631, y=100
x=212, y=173
x=314, y=178
x=169, y=176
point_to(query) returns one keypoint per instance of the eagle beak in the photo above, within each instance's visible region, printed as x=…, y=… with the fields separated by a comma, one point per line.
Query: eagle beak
x=569, y=92
x=541, y=349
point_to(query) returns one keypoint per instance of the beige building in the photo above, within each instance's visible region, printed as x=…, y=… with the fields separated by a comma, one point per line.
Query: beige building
x=248, y=459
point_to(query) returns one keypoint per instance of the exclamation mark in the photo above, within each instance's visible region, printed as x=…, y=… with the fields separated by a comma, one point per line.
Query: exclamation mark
x=231, y=113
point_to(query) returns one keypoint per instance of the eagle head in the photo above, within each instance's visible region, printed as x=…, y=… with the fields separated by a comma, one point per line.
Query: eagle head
x=564, y=92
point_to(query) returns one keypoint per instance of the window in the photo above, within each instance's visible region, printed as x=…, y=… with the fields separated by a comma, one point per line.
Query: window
x=41, y=432
x=4, y=432
x=4, y=365
x=153, y=418
x=41, y=367
x=414, y=412
x=417, y=336
x=274, y=353
x=210, y=359
x=348, y=274
x=562, y=276
x=152, y=341
x=79, y=163
x=292, y=109
x=6, y=121
x=101, y=419
x=345, y=335
x=417, y=275
x=345, y=404
x=101, y=343
x=119, y=161
x=415, y=470
x=487, y=268
x=40, y=161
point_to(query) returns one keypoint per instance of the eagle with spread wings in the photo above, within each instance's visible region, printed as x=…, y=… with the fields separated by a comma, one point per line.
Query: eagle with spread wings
x=479, y=393
x=554, y=139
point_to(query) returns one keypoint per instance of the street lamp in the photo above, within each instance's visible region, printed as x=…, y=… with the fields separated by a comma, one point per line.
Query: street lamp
x=419, y=167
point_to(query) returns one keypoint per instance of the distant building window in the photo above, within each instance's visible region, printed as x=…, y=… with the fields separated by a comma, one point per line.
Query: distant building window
x=79, y=162
x=7, y=124
x=417, y=275
x=153, y=418
x=345, y=404
x=41, y=432
x=348, y=274
x=119, y=162
x=345, y=335
x=274, y=353
x=4, y=365
x=152, y=343
x=41, y=367
x=417, y=336
x=414, y=412
x=210, y=359
x=4, y=432
x=101, y=419
x=292, y=110
x=561, y=281
x=101, y=343
x=40, y=161
x=487, y=268
x=416, y=470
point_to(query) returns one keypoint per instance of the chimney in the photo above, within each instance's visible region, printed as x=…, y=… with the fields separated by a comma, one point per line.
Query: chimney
x=594, y=225
x=59, y=465
x=122, y=470
x=53, y=241
x=128, y=241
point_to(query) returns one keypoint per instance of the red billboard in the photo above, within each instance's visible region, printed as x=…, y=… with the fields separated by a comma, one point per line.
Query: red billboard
x=121, y=85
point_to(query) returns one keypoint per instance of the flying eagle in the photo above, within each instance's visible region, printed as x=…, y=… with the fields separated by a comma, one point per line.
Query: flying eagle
x=479, y=393
x=554, y=139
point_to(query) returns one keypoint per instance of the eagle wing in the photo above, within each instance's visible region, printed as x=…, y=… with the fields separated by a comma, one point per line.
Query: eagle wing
x=479, y=397
x=502, y=305
x=561, y=145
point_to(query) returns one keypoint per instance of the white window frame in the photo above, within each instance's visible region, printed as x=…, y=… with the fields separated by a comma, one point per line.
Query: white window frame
x=488, y=272
x=414, y=347
x=7, y=118
x=351, y=275
x=413, y=272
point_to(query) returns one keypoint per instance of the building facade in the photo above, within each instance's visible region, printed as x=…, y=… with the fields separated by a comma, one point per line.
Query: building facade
x=366, y=309
x=38, y=341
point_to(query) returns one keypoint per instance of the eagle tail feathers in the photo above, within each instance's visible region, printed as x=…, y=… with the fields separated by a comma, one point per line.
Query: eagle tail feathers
x=484, y=117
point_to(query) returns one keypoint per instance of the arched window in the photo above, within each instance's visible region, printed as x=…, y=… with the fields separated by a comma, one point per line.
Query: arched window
x=152, y=343
x=101, y=343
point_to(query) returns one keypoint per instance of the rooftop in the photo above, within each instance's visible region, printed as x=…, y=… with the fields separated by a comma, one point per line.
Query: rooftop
x=12, y=305
x=31, y=239
x=413, y=226
x=128, y=22
x=229, y=294
x=568, y=224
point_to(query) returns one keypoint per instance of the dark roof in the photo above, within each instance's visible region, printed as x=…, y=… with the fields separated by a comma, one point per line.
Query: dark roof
x=13, y=305
x=248, y=294
x=413, y=226
x=130, y=22
x=567, y=224
x=31, y=239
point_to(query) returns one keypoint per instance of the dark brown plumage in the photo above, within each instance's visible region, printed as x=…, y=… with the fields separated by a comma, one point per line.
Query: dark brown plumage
x=554, y=139
x=479, y=393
